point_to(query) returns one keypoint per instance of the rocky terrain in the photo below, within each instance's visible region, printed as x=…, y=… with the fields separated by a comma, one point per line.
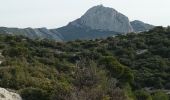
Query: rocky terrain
x=104, y=18
x=7, y=95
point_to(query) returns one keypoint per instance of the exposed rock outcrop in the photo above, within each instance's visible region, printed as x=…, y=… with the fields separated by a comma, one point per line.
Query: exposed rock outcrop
x=104, y=18
x=6, y=95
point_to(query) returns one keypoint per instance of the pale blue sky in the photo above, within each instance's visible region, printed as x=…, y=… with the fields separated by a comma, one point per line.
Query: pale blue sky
x=57, y=13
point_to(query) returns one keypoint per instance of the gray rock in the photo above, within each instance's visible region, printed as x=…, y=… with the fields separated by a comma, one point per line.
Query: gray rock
x=104, y=18
x=6, y=95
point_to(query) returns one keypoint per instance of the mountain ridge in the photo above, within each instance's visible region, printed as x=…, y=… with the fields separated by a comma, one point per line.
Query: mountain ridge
x=97, y=22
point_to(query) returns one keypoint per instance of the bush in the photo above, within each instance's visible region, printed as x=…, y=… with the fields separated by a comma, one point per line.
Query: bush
x=160, y=96
x=142, y=95
x=34, y=94
x=116, y=69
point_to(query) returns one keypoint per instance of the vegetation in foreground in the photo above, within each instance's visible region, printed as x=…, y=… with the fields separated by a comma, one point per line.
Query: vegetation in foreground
x=125, y=67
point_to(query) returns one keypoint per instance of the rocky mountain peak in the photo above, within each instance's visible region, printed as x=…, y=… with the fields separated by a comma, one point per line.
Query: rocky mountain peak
x=104, y=18
x=100, y=9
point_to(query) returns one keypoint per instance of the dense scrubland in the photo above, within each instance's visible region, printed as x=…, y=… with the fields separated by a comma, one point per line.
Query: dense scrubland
x=124, y=67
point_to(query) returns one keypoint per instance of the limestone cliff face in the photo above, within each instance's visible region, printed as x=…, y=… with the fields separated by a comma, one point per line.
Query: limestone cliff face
x=104, y=18
x=6, y=95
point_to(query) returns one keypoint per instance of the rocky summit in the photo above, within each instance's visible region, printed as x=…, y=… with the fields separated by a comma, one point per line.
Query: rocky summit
x=105, y=18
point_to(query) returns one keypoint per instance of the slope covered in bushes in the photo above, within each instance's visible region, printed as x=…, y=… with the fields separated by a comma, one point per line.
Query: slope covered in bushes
x=125, y=67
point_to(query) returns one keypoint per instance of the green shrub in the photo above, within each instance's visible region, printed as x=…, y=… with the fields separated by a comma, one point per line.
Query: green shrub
x=160, y=96
x=34, y=94
x=142, y=95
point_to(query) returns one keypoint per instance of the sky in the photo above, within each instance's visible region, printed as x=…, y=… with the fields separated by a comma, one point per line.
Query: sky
x=58, y=13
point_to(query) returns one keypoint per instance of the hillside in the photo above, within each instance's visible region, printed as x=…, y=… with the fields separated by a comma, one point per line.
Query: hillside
x=125, y=67
x=139, y=26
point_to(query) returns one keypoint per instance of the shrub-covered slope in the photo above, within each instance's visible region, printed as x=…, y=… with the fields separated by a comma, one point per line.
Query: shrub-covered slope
x=125, y=67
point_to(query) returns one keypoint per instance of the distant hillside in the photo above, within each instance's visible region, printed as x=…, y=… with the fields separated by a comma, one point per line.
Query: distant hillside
x=38, y=33
x=71, y=32
x=139, y=26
